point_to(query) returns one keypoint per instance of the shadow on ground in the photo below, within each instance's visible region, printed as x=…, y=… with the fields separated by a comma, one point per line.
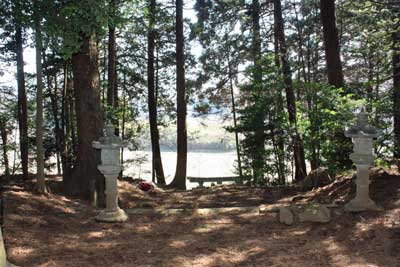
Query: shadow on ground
x=53, y=230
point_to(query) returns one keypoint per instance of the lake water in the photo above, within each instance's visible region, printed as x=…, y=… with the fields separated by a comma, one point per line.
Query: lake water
x=199, y=164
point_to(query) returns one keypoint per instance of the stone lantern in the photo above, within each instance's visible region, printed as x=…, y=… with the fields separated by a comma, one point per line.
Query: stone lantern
x=362, y=135
x=110, y=146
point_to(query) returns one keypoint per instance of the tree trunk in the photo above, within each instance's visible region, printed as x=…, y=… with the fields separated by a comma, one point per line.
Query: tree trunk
x=3, y=132
x=298, y=147
x=59, y=129
x=235, y=120
x=22, y=103
x=258, y=160
x=155, y=136
x=331, y=43
x=335, y=72
x=179, y=180
x=123, y=119
x=105, y=72
x=86, y=181
x=112, y=89
x=66, y=166
x=396, y=93
x=279, y=116
x=54, y=109
x=40, y=176
x=72, y=118
x=112, y=56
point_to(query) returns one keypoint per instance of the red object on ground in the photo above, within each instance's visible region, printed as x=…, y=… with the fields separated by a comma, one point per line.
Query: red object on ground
x=145, y=186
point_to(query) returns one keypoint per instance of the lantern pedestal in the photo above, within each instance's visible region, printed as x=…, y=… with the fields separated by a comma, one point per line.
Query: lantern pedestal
x=362, y=201
x=112, y=213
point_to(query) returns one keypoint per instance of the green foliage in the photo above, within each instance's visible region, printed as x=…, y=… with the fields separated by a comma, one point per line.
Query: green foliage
x=260, y=117
x=323, y=120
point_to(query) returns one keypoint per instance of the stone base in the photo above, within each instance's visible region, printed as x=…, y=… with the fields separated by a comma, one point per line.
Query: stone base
x=356, y=205
x=118, y=215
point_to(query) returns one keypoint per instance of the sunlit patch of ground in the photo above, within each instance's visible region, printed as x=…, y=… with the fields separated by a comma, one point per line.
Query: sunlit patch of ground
x=55, y=231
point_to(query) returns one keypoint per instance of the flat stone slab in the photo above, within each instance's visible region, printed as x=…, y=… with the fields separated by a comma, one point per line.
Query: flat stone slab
x=309, y=212
x=285, y=213
x=189, y=211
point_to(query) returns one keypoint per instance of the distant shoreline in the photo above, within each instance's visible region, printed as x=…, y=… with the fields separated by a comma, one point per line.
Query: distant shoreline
x=189, y=151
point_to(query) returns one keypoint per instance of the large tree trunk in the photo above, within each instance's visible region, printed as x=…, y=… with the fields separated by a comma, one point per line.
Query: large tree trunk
x=396, y=93
x=179, y=180
x=155, y=136
x=86, y=181
x=298, y=147
x=3, y=132
x=331, y=43
x=40, y=176
x=22, y=103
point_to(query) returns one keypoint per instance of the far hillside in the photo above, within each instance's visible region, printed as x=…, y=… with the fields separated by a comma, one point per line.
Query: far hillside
x=204, y=134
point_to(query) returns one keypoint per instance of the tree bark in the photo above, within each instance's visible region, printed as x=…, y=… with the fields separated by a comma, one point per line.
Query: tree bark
x=298, y=147
x=22, y=103
x=123, y=119
x=59, y=130
x=3, y=132
x=40, y=176
x=151, y=100
x=179, y=180
x=86, y=181
x=59, y=135
x=72, y=117
x=65, y=125
x=279, y=117
x=235, y=120
x=396, y=93
x=112, y=89
x=335, y=72
x=331, y=43
x=258, y=157
x=112, y=57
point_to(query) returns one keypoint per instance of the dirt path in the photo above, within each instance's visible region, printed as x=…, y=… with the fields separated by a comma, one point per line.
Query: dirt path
x=53, y=230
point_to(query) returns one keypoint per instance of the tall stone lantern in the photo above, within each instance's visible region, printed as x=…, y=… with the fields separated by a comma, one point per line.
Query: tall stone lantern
x=110, y=146
x=362, y=134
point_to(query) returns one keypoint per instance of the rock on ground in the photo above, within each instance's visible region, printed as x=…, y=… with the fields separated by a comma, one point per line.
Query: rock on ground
x=316, y=178
x=312, y=212
x=286, y=216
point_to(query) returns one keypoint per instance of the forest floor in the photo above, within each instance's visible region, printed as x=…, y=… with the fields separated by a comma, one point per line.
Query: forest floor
x=56, y=231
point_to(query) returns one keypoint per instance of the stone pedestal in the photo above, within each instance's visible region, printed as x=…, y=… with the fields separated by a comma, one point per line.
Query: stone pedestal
x=362, y=135
x=362, y=201
x=112, y=213
x=110, y=167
